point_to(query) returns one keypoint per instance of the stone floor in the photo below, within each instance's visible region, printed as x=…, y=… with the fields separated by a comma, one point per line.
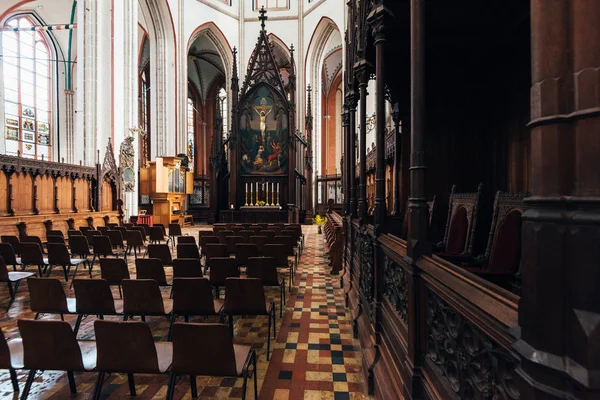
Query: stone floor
x=314, y=356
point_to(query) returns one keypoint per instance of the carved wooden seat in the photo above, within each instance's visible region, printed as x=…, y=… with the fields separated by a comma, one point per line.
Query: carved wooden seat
x=334, y=237
x=459, y=236
x=502, y=257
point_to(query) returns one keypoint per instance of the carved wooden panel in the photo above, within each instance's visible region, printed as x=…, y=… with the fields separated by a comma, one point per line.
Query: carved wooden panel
x=366, y=262
x=82, y=202
x=106, y=201
x=468, y=363
x=395, y=286
x=63, y=185
x=22, y=193
x=3, y=195
x=45, y=194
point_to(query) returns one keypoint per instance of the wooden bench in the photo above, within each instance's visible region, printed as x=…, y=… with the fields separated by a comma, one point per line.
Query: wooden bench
x=334, y=237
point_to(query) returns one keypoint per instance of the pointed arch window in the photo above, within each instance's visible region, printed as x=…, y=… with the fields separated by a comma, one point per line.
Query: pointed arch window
x=191, y=131
x=222, y=98
x=27, y=97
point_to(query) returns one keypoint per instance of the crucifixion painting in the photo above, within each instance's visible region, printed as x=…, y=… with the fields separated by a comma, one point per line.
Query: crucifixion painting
x=264, y=139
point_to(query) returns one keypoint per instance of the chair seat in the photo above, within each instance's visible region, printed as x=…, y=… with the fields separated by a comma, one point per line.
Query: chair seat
x=164, y=353
x=168, y=304
x=88, y=354
x=17, y=276
x=241, y=355
x=77, y=261
x=18, y=260
x=16, y=353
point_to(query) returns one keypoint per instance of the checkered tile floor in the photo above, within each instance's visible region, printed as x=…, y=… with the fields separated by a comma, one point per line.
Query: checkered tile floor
x=314, y=356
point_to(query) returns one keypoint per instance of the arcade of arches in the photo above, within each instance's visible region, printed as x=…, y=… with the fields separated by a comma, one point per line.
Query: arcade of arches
x=312, y=199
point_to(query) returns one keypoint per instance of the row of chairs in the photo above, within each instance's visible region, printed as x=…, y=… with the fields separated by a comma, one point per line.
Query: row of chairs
x=128, y=348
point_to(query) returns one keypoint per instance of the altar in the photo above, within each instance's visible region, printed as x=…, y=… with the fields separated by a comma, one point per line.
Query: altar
x=255, y=214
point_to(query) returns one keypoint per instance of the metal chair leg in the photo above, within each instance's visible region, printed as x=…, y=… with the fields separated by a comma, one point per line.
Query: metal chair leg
x=98, y=388
x=193, y=385
x=131, y=381
x=77, y=324
x=14, y=380
x=171, y=389
x=255, y=375
x=28, y=384
x=72, y=384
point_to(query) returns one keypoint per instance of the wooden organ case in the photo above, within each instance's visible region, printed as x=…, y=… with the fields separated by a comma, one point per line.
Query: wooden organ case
x=167, y=183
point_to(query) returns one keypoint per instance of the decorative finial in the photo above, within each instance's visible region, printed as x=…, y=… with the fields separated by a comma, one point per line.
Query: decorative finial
x=292, y=49
x=263, y=17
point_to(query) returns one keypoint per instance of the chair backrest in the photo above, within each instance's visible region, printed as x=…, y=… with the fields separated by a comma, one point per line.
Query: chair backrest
x=3, y=272
x=134, y=237
x=31, y=253
x=5, y=360
x=244, y=296
x=84, y=229
x=102, y=245
x=269, y=234
x=121, y=229
x=236, y=229
x=186, y=240
x=463, y=212
x=214, y=250
x=221, y=269
x=246, y=235
x=114, y=270
x=93, y=296
x=259, y=241
x=47, y=296
x=58, y=254
x=216, y=345
x=129, y=225
x=112, y=225
x=141, y=230
x=146, y=228
x=142, y=297
x=243, y=251
x=33, y=239
x=150, y=268
x=55, y=232
x=49, y=345
x=204, y=233
x=187, y=268
x=504, y=244
x=231, y=241
x=204, y=240
x=223, y=235
x=103, y=229
x=263, y=268
x=125, y=347
x=91, y=234
x=164, y=231
x=116, y=237
x=156, y=233
x=8, y=254
x=162, y=252
x=187, y=250
x=278, y=252
x=79, y=245
x=55, y=239
x=193, y=296
x=287, y=241
x=73, y=232
x=13, y=241
x=175, y=230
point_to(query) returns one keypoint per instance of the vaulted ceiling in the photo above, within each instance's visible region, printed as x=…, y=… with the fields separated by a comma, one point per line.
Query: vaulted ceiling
x=205, y=66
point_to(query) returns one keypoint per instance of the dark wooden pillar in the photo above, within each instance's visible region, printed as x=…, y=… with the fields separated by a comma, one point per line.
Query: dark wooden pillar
x=417, y=204
x=397, y=210
x=559, y=311
x=309, y=159
x=235, y=132
x=346, y=156
x=362, y=70
x=351, y=104
x=292, y=132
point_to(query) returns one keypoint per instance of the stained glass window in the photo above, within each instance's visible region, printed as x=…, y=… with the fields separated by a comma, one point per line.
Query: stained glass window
x=190, y=132
x=27, y=102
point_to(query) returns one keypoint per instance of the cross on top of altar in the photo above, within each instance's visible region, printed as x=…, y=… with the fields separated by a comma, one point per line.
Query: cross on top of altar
x=263, y=105
x=263, y=17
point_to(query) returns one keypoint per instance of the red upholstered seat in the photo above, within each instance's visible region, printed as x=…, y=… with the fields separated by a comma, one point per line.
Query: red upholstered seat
x=457, y=235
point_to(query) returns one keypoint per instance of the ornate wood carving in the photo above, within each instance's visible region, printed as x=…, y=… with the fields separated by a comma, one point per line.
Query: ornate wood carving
x=467, y=361
x=366, y=284
x=71, y=223
x=470, y=201
x=48, y=225
x=395, y=286
x=90, y=221
x=22, y=227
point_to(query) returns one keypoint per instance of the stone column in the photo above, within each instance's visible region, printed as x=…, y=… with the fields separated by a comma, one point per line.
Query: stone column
x=559, y=311
x=69, y=146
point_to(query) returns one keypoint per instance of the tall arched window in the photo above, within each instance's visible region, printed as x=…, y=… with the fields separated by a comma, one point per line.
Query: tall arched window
x=27, y=101
x=222, y=98
x=191, y=132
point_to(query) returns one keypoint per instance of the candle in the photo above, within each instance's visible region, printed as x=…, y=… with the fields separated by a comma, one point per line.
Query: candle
x=256, y=193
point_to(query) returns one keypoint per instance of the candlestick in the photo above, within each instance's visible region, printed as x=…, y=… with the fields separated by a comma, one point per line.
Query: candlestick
x=251, y=190
x=257, y=193
x=246, y=195
x=278, y=194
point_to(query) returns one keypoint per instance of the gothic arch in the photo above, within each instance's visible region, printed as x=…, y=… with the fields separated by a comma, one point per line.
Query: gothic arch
x=163, y=64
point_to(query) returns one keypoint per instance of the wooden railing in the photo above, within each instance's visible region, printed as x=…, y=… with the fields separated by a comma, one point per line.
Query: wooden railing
x=334, y=236
x=427, y=318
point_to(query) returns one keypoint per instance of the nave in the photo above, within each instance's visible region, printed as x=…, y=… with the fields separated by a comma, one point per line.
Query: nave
x=313, y=357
